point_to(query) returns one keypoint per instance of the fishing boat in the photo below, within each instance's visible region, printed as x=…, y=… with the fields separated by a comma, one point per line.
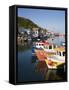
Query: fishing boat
x=39, y=45
x=49, y=47
x=55, y=60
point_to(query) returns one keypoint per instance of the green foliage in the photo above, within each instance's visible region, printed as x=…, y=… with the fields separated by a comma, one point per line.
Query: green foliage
x=26, y=23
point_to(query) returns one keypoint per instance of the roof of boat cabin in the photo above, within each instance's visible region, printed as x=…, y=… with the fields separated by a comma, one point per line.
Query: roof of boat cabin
x=61, y=48
x=45, y=43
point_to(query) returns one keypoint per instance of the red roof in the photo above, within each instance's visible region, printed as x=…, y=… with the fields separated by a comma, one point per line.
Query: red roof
x=44, y=43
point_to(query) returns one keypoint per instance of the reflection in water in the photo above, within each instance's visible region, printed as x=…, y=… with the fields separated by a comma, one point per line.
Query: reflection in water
x=41, y=67
x=51, y=75
x=34, y=59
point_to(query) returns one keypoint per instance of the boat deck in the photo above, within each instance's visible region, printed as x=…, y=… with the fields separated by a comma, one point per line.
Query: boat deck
x=43, y=56
x=54, y=64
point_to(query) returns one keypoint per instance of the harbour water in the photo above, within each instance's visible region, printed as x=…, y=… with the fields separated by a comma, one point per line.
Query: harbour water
x=30, y=69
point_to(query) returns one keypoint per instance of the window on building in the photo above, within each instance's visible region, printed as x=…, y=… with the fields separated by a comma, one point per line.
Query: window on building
x=36, y=32
x=50, y=47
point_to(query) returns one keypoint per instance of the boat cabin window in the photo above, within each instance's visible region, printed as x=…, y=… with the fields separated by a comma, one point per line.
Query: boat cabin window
x=60, y=53
x=39, y=44
x=63, y=53
x=54, y=46
x=50, y=47
x=57, y=52
x=46, y=47
x=42, y=44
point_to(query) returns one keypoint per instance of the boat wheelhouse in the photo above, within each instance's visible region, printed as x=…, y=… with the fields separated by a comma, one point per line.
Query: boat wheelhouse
x=39, y=45
x=58, y=59
x=49, y=47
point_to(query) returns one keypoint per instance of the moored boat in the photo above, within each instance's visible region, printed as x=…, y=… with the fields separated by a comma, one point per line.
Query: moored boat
x=49, y=47
x=39, y=45
x=55, y=60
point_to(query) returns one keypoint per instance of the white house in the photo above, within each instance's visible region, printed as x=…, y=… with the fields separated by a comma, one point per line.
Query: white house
x=35, y=32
